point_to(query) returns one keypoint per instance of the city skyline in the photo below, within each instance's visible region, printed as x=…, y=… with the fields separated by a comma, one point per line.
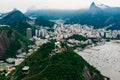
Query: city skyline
x=23, y=5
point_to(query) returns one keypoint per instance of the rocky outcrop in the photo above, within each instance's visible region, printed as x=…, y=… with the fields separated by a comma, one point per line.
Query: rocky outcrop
x=7, y=36
x=88, y=76
x=11, y=42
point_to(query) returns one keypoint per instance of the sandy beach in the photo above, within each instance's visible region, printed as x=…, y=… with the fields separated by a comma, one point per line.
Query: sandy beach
x=106, y=58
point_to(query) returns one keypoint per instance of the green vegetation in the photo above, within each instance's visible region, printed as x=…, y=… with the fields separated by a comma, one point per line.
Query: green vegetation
x=8, y=29
x=21, y=27
x=66, y=65
x=2, y=74
x=83, y=46
x=4, y=28
x=108, y=40
x=78, y=37
x=15, y=43
x=13, y=17
x=23, y=39
x=10, y=33
x=41, y=21
x=17, y=20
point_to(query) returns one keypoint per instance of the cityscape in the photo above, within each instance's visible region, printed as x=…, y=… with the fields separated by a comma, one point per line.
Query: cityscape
x=60, y=44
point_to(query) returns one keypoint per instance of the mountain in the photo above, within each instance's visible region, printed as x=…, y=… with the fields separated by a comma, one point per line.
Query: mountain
x=17, y=20
x=10, y=42
x=3, y=15
x=99, y=16
x=12, y=17
x=65, y=65
x=93, y=8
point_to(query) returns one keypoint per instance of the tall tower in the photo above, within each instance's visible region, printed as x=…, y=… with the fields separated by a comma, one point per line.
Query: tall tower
x=29, y=33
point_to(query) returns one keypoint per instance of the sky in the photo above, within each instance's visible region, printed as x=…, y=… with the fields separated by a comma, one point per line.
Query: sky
x=23, y=5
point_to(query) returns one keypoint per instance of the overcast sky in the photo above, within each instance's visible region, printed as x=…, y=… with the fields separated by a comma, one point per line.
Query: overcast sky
x=23, y=5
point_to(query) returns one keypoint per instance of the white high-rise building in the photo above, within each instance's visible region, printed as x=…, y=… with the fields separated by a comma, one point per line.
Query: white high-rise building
x=29, y=33
x=36, y=32
x=39, y=33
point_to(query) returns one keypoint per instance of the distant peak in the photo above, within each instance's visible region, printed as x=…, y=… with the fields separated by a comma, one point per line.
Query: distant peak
x=15, y=9
x=101, y=6
x=93, y=3
x=94, y=8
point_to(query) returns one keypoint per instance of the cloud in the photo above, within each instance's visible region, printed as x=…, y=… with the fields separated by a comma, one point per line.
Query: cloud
x=23, y=5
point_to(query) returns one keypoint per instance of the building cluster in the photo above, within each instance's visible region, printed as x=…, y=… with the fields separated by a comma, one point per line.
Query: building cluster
x=41, y=32
x=61, y=31
x=11, y=63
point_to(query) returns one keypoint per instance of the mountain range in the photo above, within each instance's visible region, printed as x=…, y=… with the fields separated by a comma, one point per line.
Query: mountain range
x=98, y=15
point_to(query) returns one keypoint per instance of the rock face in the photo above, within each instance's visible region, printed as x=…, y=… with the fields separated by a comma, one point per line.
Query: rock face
x=7, y=36
x=94, y=8
x=11, y=41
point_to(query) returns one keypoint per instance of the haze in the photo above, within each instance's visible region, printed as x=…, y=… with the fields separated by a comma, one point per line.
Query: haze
x=23, y=5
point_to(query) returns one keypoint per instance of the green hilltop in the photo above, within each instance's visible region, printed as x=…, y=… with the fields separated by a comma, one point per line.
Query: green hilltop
x=65, y=65
x=41, y=21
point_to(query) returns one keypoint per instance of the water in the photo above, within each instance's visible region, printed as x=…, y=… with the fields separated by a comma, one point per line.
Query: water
x=106, y=58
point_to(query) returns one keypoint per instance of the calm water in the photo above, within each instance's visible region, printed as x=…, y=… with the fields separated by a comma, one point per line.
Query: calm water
x=106, y=58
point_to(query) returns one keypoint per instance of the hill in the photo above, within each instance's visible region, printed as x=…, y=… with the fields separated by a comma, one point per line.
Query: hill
x=65, y=65
x=12, y=17
x=77, y=37
x=41, y=21
x=10, y=42
x=17, y=20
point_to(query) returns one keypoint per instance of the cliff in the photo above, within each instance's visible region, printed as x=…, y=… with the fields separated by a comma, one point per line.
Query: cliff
x=7, y=36
x=10, y=42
